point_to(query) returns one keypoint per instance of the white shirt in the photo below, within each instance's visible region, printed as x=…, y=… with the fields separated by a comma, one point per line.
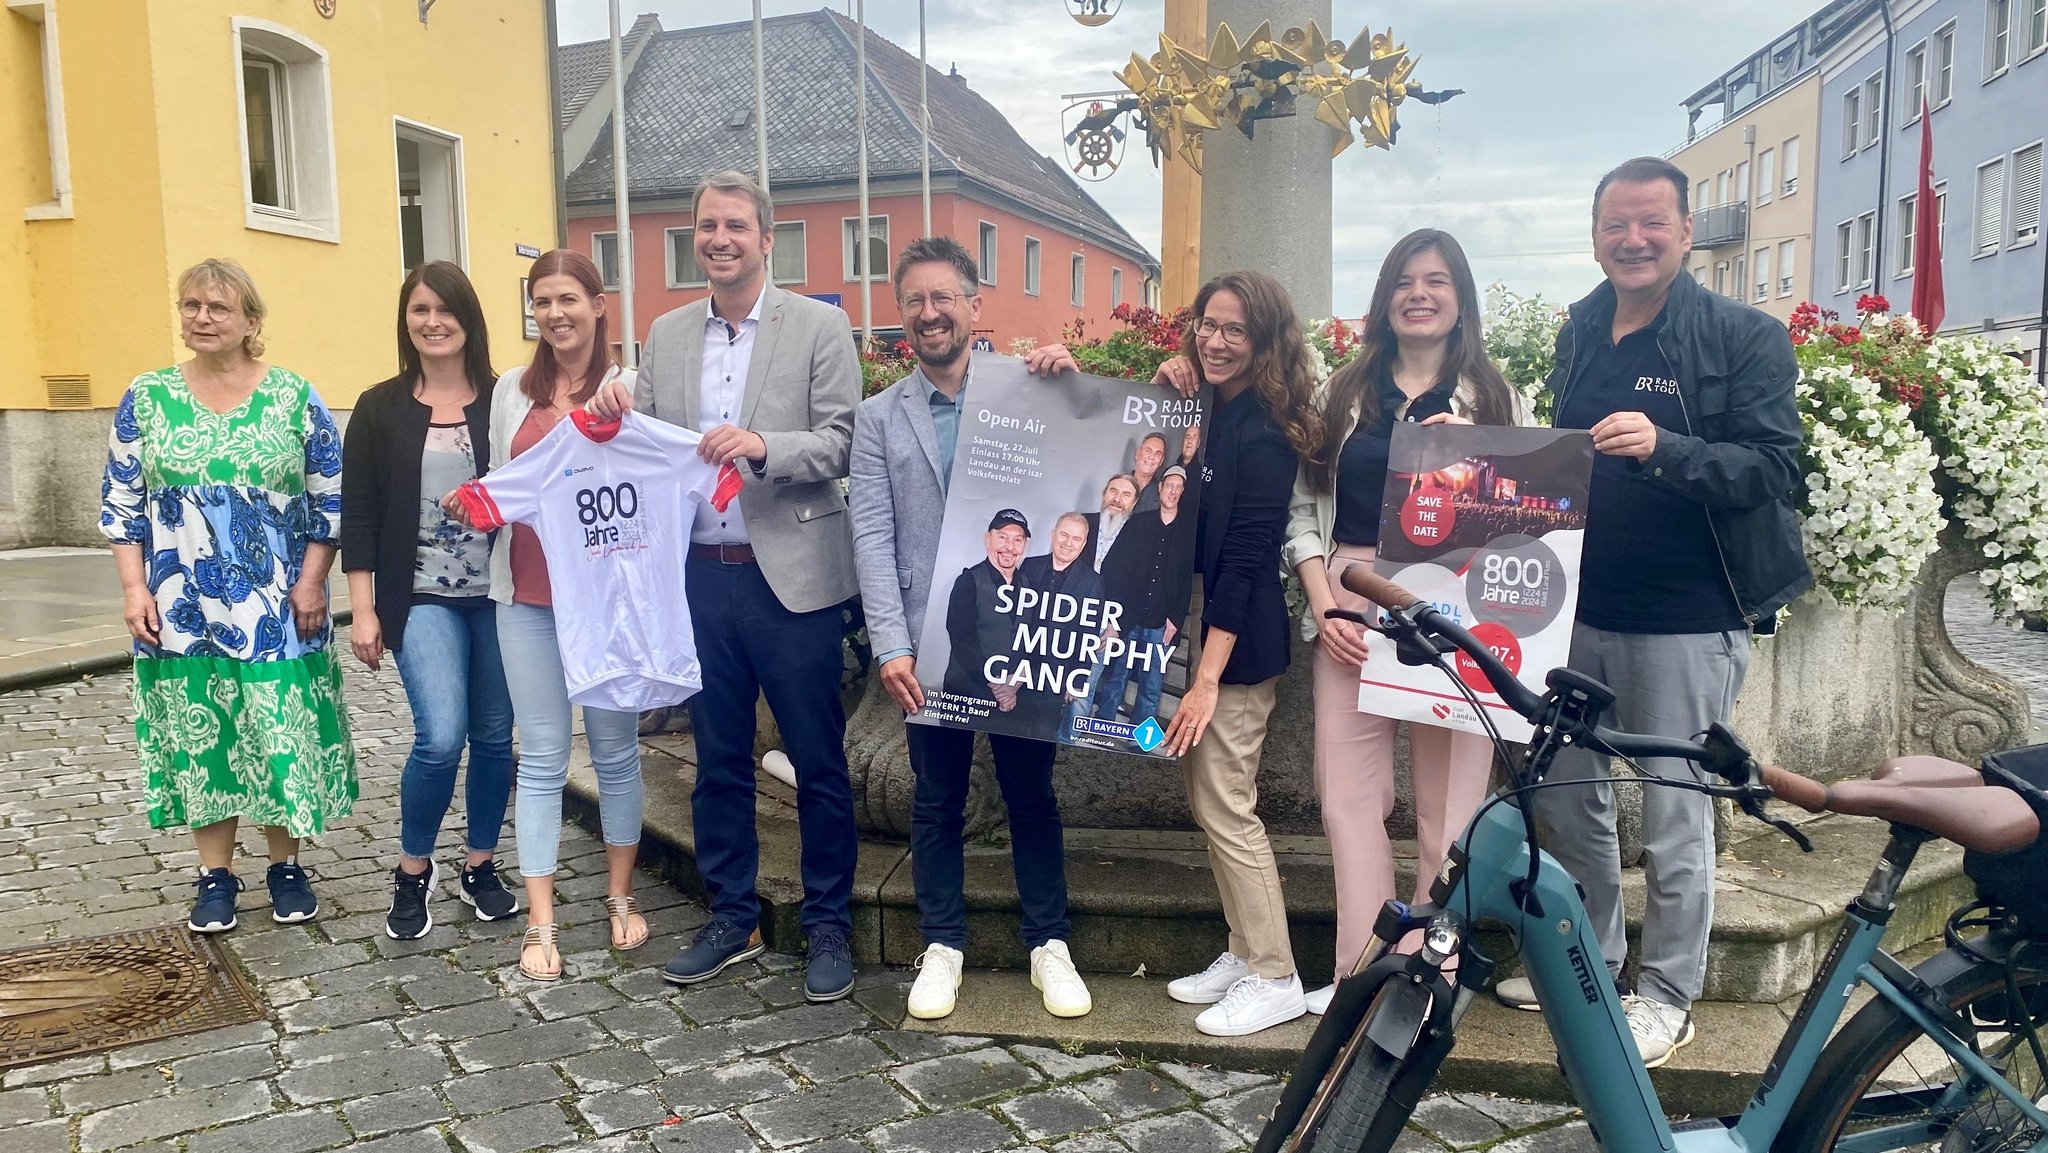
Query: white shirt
x=721, y=389
x=610, y=504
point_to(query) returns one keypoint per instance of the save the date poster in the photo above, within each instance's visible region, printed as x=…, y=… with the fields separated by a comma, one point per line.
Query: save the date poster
x=1488, y=525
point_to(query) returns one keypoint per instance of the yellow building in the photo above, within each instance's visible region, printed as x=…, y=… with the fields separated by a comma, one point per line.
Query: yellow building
x=328, y=145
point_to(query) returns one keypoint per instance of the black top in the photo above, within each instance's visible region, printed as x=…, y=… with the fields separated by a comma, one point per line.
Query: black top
x=1077, y=580
x=380, y=490
x=1248, y=480
x=1362, y=463
x=1150, y=568
x=1650, y=562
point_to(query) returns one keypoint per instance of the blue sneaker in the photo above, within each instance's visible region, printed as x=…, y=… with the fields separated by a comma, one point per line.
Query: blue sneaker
x=718, y=944
x=291, y=896
x=214, y=911
x=828, y=966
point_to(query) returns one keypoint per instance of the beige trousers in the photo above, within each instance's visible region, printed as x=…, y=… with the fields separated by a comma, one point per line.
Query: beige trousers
x=1221, y=774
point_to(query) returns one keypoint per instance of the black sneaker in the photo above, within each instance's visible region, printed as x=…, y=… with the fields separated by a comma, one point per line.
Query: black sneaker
x=485, y=892
x=291, y=895
x=828, y=966
x=719, y=944
x=409, y=919
x=214, y=911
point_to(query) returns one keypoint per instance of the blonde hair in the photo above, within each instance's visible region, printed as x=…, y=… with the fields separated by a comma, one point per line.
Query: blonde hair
x=230, y=279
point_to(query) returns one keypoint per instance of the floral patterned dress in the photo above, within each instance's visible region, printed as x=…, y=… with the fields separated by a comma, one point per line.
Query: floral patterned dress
x=236, y=716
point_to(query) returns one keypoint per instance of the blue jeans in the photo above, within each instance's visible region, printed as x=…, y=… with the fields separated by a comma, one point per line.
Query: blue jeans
x=540, y=707
x=943, y=760
x=456, y=685
x=1109, y=689
x=750, y=646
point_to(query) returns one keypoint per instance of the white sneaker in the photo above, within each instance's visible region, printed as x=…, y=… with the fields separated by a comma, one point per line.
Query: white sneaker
x=938, y=983
x=1052, y=973
x=1318, y=1002
x=1660, y=1030
x=1254, y=1003
x=1208, y=986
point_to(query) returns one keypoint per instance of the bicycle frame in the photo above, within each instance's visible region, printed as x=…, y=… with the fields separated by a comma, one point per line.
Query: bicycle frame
x=1562, y=959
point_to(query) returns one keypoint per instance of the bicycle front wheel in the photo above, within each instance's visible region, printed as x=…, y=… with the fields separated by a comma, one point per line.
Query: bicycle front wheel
x=1884, y=1083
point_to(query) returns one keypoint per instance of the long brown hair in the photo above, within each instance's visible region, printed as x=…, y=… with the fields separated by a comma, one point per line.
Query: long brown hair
x=1355, y=387
x=1279, y=365
x=539, y=380
x=447, y=281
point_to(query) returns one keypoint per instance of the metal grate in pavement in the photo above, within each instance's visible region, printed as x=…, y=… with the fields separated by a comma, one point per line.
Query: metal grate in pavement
x=73, y=997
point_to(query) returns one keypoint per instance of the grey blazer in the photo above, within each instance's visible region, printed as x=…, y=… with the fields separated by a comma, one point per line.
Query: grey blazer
x=898, y=506
x=802, y=385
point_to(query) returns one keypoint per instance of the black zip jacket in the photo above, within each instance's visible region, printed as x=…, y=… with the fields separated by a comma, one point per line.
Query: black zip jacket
x=380, y=490
x=1739, y=454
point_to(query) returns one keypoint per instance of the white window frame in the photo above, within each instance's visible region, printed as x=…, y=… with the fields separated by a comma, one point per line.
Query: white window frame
x=608, y=278
x=1742, y=189
x=56, y=133
x=1916, y=85
x=803, y=252
x=1740, y=284
x=1788, y=155
x=310, y=166
x=1116, y=287
x=1844, y=259
x=986, y=238
x=1907, y=214
x=1852, y=121
x=278, y=89
x=1788, y=254
x=1077, y=269
x=1720, y=278
x=2012, y=216
x=1980, y=221
x=2035, y=18
x=1724, y=185
x=673, y=272
x=1941, y=75
x=849, y=239
x=1766, y=176
x=1034, y=259
x=1998, y=38
x=426, y=134
x=1866, y=251
x=1873, y=109
x=1760, y=272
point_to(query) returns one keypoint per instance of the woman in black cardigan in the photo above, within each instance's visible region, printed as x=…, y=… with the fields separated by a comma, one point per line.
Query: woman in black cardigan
x=419, y=584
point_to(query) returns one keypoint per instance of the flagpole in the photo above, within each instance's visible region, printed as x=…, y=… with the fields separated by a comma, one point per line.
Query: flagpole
x=760, y=106
x=628, y=345
x=924, y=120
x=860, y=131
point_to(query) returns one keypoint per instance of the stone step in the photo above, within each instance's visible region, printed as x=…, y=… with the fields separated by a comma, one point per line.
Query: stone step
x=1147, y=898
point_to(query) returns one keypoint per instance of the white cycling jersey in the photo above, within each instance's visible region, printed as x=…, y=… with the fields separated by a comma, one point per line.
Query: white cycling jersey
x=612, y=503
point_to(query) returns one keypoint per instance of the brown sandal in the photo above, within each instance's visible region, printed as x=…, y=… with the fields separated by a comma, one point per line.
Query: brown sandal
x=619, y=909
x=545, y=938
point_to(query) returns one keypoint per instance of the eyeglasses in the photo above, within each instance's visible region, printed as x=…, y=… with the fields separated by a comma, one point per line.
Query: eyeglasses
x=214, y=310
x=1233, y=333
x=940, y=302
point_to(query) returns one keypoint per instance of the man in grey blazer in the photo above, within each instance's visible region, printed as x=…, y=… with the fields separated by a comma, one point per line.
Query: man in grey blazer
x=771, y=380
x=903, y=448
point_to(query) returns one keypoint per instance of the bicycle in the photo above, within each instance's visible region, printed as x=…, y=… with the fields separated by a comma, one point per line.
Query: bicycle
x=1947, y=1056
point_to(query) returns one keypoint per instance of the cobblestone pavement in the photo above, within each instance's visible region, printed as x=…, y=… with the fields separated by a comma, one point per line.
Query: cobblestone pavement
x=439, y=1045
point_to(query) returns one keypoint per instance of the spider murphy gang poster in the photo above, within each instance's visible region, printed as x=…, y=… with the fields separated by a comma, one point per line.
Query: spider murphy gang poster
x=1487, y=524
x=1066, y=560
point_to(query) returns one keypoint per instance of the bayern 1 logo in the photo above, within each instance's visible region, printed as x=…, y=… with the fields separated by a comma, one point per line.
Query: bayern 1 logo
x=1149, y=735
x=1093, y=13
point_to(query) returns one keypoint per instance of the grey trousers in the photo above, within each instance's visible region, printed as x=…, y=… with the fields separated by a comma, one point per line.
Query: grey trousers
x=1666, y=685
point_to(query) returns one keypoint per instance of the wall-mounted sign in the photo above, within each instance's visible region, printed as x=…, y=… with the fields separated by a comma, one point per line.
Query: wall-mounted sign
x=526, y=306
x=527, y=250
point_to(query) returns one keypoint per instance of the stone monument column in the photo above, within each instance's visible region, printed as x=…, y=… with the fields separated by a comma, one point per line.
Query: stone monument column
x=1266, y=201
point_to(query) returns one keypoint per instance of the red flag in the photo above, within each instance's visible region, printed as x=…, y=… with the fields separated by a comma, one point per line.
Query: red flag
x=1929, y=303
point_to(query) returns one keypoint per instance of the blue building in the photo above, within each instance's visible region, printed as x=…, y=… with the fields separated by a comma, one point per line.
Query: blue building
x=1982, y=66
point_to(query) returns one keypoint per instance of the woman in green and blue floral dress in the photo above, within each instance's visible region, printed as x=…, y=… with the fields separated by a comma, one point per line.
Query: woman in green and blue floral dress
x=223, y=499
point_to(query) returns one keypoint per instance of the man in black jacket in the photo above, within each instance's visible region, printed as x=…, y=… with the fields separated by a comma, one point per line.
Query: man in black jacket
x=1150, y=572
x=1692, y=544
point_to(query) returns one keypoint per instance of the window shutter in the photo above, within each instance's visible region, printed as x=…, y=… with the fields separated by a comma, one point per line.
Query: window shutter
x=2026, y=194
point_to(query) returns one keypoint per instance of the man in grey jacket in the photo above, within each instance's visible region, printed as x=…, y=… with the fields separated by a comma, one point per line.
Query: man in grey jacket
x=770, y=380
x=903, y=448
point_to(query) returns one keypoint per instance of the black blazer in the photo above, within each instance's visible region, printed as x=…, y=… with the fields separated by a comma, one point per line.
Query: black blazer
x=1249, y=479
x=380, y=490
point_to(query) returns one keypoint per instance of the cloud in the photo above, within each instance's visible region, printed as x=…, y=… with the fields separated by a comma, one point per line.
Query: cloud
x=1555, y=95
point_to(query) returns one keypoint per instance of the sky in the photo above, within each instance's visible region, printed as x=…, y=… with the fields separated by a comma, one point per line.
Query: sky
x=1555, y=94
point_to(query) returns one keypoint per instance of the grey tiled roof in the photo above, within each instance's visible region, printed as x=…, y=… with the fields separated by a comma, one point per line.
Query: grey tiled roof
x=583, y=67
x=689, y=109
